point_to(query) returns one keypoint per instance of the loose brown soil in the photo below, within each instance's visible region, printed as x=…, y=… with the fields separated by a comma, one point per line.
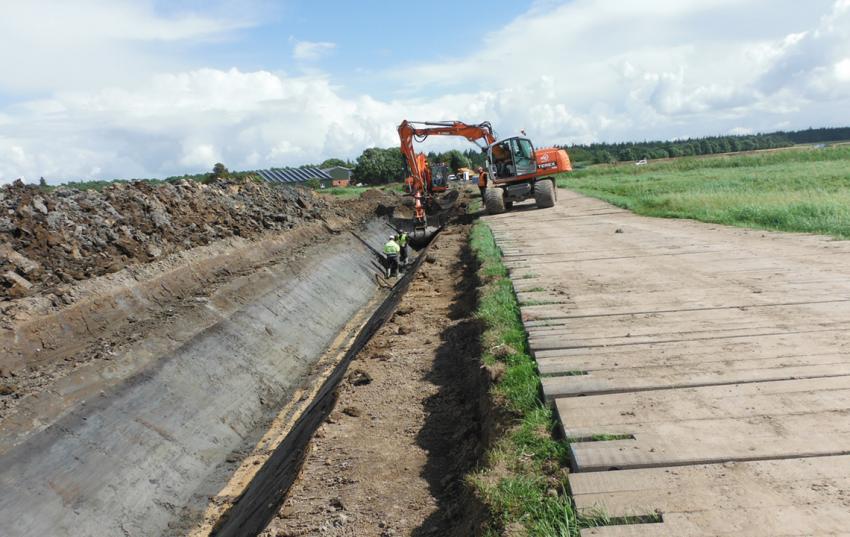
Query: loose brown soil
x=50, y=239
x=91, y=287
x=407, y=426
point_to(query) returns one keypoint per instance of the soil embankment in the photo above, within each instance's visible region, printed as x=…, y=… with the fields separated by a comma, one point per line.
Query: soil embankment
x=127, y=406
x=92, y=285
x=51, y=239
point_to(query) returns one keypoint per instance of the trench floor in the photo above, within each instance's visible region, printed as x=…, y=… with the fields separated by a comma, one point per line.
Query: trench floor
x=390, y=458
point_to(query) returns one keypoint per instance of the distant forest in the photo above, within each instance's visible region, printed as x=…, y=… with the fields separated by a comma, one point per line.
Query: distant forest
x=602, y=153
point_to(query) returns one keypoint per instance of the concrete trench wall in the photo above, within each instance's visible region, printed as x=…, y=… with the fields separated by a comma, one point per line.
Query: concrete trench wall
x=136, y=460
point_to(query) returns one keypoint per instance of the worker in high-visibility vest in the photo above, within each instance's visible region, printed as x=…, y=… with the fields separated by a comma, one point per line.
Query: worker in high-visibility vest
x=391, y=252
x=402, y=243
x=482, y=181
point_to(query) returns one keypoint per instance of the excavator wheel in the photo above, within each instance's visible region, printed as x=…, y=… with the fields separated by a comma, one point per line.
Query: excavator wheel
x=494, y=200
x=544, y=193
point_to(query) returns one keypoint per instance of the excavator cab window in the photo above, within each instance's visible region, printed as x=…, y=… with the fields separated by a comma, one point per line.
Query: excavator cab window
x=523, y=153
x=439, y=177
x=512, y=157
x=500, y=159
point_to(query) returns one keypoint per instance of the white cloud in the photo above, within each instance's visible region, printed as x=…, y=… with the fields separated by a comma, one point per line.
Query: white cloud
x=661, y=68
x=310, y=50
x=575, y=72
x=198, y=156
x=842, y=70
x=186, y=122
x=740, y=131
x=50, y=44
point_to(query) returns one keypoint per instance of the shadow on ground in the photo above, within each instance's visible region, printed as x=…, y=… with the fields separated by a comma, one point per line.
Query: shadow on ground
x=456, y=429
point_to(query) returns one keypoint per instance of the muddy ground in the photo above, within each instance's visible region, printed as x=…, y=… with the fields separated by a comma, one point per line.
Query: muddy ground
x=408, y=426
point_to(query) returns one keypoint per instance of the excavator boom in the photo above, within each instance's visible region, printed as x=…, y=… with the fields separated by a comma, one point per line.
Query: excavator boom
x=410, y=131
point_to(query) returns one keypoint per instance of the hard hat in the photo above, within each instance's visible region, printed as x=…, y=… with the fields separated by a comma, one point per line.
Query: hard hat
x=392, y=237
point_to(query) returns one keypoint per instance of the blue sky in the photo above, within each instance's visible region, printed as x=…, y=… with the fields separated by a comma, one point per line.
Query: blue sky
x=148, y=88
x=369, y=36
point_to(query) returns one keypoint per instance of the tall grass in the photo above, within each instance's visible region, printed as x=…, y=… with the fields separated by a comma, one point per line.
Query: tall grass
x=522, y=483
x=796, y=190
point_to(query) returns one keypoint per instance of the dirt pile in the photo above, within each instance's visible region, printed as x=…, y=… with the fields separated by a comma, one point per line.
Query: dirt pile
x=49, y=239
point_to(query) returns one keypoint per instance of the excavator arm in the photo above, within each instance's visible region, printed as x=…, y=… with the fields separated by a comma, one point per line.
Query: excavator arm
x=410, y=131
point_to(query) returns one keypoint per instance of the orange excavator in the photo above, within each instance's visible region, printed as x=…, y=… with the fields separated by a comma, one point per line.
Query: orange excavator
x=424, y=172
x=516, y=171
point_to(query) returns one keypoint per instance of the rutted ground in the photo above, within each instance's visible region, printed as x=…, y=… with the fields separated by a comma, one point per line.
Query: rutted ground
x=406, y=428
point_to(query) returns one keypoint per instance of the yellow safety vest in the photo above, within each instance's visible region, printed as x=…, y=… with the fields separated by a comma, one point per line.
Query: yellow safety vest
x=392, y=248
x=402, y=240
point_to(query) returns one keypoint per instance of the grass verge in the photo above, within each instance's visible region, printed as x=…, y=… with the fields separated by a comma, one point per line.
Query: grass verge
x=522, y=483
x=800, y=190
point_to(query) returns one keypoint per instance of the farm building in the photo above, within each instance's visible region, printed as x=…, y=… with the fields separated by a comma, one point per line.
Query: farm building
x=296, y=175
x=340, y=174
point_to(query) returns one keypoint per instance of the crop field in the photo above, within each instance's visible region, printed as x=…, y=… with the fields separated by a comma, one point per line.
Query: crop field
x=802, y=190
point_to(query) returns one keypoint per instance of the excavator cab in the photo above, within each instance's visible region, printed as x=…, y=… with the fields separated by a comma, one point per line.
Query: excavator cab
x=439, y=177
x=511, y=158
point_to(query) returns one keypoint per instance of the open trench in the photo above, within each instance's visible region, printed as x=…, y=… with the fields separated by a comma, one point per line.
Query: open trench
x=145, y=438
x=195, y=419
x=410, y=420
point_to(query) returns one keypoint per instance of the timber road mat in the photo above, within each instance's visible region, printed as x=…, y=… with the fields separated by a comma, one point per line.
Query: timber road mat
x=701, y=372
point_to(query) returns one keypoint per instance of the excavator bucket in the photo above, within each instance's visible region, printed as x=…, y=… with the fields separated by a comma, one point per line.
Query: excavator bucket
x=422, y=236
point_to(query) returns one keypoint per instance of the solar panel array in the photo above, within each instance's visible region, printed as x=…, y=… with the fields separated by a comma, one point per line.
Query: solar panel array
x=292, y=175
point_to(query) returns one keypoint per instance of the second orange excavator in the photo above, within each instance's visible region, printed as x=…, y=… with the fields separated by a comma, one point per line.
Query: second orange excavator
x=515, y=170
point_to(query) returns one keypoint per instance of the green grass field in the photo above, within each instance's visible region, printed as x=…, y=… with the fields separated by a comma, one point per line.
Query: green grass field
x=355, y=191
x=800, y=190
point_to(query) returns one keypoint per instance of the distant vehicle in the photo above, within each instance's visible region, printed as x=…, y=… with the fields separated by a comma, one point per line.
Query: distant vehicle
x=452, y=177
x=641, y=162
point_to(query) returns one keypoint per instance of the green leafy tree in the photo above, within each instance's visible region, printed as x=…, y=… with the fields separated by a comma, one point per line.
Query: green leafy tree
x=331, y=162
x=378, y=166
x=456, y=160
x=603, y=157
x=627, y=153
x=220, y=171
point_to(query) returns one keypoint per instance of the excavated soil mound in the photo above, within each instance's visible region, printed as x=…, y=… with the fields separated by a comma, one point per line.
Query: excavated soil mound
x=52, y=238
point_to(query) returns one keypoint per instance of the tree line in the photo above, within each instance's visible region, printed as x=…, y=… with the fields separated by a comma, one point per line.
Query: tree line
x=378, y=165
x=603, y=153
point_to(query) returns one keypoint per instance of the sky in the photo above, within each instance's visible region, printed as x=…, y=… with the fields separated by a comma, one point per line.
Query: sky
x=103, y=89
